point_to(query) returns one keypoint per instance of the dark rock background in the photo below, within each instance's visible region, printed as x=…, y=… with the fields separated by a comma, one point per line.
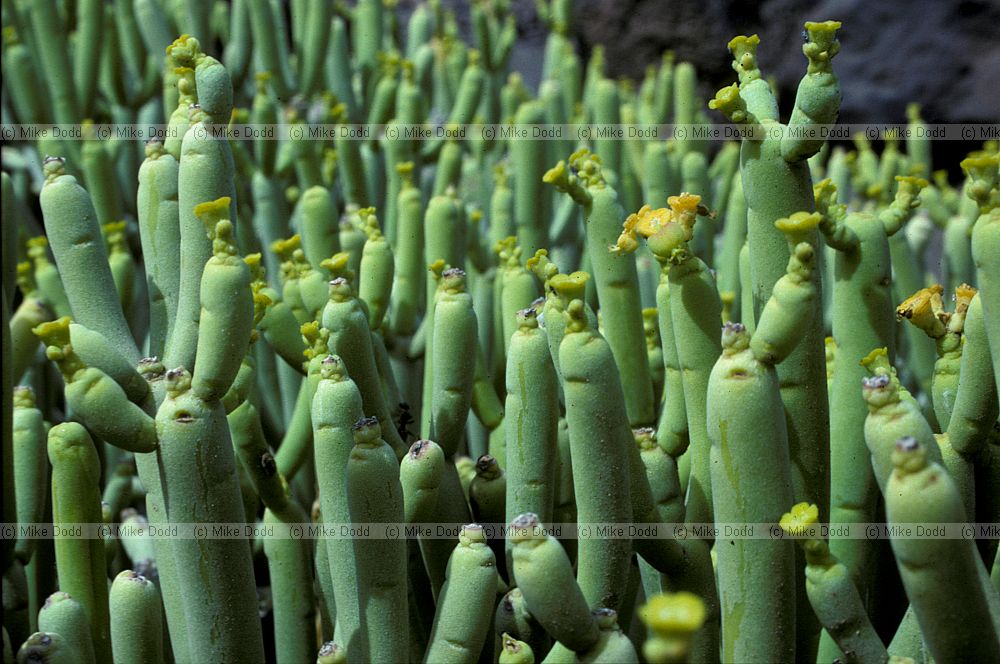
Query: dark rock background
x=943, y=54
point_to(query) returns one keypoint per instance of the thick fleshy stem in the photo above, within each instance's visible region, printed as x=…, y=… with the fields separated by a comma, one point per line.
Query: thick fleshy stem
x=465, y=603
x=612, y=645
x=50, y=286
x=30, y=467
x=935, y=572
x=983, y=173
x=832, y=592
x=136, y=619
x=444, y=247
x=532, y=415
x=63, y=615
x=976, y=406
x=531, y=202
x=487, y=490
x=513, y=619
x=376, y=271
x=862, y=320
x=336, y=406
x=793, y=297
x=410, y=274
x=205, y=174
x=777, y=184
x=615, y=276
x=545, y=577
x=194, y=490
x=743, y=398
x=350, y=339
x=694, y=309
x=454, y=334
x=227, y=310
x=756, y=578
x=159, y=233
x=892, y=413
x=597, y=421
x=289, y=560
x=81, y=256
x=817, y=100
x=290, y=564
x=95, y=397
x=420, y=474
x=374, y=496
x=76, y=499
x=925, y=310
x=48, y=647
x=53, y=49
x=517, y=289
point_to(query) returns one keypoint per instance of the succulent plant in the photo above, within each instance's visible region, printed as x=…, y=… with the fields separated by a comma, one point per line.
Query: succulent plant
x=325, y=371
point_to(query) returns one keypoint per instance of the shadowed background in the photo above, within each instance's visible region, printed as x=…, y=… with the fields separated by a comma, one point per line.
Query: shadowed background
x=942, y=54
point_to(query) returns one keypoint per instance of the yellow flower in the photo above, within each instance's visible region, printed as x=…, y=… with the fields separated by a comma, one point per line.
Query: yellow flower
x=673, y=614
x=923, y=309
x=963, y=296
x=646, y=222
x=801, y=520
x=649, y=222
x=685, y=203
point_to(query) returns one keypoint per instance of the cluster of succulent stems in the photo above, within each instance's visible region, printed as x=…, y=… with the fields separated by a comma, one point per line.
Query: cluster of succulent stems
x=509, y=334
